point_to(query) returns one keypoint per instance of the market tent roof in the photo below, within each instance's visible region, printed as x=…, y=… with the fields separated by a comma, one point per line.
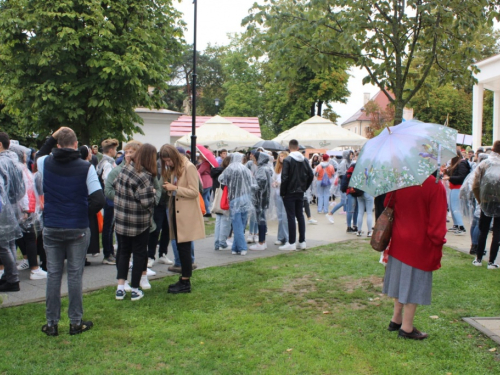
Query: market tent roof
x=219, y=133
x=183, y=124
x=321, y=133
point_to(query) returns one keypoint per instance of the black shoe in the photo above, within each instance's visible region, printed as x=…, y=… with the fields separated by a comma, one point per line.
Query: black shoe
x=473, y=250
x=393, y=326
x=414, y=335
x=10, y=287
x=50, y=330
x=354, y=229
x=87, y=263
x=453, y=229
x=349, y=230
x=75, y=329
x=182, y=286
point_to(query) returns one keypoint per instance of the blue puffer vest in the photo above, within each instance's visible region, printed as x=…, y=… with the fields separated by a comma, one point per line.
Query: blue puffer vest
x=65, y=189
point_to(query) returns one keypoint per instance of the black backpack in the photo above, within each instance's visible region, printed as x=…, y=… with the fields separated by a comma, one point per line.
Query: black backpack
x=357, y=192
x=344, y=183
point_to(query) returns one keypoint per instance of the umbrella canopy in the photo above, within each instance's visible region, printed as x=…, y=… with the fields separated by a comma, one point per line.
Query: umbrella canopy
x=402, y=156
x=219, y=133
x=319, y=132
x=269, y=145
x=208, y=155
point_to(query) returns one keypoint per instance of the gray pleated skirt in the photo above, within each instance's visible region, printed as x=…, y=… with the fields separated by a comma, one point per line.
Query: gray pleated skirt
x=406, y=283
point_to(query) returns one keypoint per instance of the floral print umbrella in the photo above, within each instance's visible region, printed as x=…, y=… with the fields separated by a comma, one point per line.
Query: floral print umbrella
x=402, y=156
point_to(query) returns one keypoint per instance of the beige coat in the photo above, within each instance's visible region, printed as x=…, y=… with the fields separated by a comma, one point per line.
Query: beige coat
x=190, y=223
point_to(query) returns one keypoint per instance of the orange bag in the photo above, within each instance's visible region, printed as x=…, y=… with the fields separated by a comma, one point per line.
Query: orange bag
x=202, y=205
x=100, y=221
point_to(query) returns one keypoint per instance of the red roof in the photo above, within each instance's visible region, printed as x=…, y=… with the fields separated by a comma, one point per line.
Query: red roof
x=182, y=125
x=380, y=98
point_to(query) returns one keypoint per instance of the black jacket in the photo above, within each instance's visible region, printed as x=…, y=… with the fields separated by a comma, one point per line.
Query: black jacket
x=296, y=176
x=461, y=171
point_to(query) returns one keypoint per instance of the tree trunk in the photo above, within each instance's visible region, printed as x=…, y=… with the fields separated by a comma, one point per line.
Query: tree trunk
x=313, y=109
x=398, y=111
x=320, y=104
x=84, y=136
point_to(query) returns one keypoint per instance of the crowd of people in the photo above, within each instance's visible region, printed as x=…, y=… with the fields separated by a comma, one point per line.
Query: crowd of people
x=57, y=205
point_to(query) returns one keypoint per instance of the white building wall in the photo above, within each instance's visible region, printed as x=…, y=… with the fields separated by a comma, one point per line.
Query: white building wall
x=156, y=126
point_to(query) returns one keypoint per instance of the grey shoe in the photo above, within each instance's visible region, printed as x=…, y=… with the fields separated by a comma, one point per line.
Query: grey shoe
x=109, y=260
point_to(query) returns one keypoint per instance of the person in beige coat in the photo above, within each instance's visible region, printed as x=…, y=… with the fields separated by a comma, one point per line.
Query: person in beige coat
x=185, y=216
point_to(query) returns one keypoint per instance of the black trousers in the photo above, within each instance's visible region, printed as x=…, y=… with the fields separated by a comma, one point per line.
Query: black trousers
x=136, y=246
x=484, y=228
x=294, y=204
x=161, y=220
x=379, y=205
x=184, y=250
x=28, y=246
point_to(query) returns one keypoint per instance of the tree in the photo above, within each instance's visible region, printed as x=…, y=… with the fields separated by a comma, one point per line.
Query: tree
x=380, y=118
x=383, y=37
x=86, y=64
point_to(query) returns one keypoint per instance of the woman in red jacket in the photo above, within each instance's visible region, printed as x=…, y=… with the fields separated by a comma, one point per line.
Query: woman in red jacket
x=204, y=169
x=418, y=236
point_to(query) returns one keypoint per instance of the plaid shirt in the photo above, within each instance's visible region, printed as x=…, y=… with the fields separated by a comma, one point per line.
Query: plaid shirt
x=134, y=201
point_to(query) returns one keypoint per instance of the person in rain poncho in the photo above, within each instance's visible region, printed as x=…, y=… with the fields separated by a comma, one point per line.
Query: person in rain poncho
x=12, y=192
x=239, y=181
x=341, y=171
x=323, y=183
x=280, y=207
x=487, y=192
x=253, y=226
x=31, y=223
x=470, y=206
x=262, y=196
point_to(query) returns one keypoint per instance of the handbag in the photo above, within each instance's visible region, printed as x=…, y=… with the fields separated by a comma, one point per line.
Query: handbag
x=224, y=201
x=382, y=232
x=202, y=204
x=216, y=204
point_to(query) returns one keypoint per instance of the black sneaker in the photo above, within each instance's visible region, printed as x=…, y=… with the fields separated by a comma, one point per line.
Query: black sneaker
x=453, y=229
x=349, y=230
x=181, y=286
x=460, y=231
x=50, y=330
x=75, y=329
x=10, y=287
x=473, y=250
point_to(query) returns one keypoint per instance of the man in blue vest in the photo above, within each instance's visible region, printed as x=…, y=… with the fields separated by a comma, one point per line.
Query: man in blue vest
x=70, y=186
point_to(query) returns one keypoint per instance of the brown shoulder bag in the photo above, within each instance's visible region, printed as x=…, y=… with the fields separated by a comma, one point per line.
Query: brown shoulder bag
x=382, y=231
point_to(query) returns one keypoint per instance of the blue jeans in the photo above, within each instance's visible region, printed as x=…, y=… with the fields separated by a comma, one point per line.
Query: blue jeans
x=222, y=229
x=8, y=257
x=474, y=230
x=282, y=220
x=352, y=210
x=71, y=244
x=253, y=227
x=342, y=203
x=366, y=201
x=262, y=225
x=177, y=260
x=323, y=193
x=239, y=221
x=456, y=215
x=108, y=227
x=206, y=198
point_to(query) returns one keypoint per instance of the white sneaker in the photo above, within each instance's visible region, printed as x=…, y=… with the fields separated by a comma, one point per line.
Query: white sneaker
x=288, y=246
x=359, y=233
x=301, y=245
x=229, y=242
x=279, y=243
x=255, y=238
x=163, y=259
x=128, y=289
x=258, y=247
x=38, y=274
x=233, y=252
x=492, y=266
x=477, y=263
x=23, y=265
x=225, y=248
x=330, y=218
x=144, y=283
x=96, y=254
x=243, y=252
x=130, y=265
x=250, y=238
x=312, y=222
x=151, y=262
x=150, y=272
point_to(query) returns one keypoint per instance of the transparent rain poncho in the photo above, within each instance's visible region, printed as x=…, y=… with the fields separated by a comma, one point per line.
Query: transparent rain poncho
x=489, y=193
x=468, y=203
x=262, y=191
x=240, y=184
x=12, y=192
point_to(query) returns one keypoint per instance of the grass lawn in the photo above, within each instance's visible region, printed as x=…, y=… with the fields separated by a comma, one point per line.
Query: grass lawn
x=315, y=312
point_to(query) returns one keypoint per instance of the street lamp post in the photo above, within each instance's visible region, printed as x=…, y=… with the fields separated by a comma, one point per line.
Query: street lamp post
x=193, y=125
x=217, y=102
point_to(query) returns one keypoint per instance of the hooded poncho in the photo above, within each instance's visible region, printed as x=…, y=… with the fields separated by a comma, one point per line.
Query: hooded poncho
x=240, y=183
x=486, y=177
x=263, y=177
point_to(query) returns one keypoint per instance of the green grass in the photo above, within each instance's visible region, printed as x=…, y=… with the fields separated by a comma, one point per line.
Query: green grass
x=210, y=227
x=315, y=312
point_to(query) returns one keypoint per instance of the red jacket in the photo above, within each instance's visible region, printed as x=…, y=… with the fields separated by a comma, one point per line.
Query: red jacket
x=204, y=171
x=419, y=227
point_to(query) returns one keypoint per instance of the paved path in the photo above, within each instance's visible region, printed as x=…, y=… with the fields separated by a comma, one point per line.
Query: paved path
x=98, y=275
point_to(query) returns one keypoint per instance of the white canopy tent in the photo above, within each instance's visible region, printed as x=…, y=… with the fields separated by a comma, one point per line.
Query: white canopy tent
x=219, y=133
x=321, y=133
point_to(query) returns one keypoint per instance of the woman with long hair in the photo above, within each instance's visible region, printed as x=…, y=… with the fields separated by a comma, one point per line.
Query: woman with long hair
x=456, y=173
x=134, y=205
x=181, y=181
x=280, y=207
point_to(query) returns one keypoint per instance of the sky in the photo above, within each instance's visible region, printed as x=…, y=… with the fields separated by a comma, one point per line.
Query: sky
x=217, y=18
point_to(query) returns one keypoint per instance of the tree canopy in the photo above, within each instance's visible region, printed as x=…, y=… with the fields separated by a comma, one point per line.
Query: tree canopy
x=85, y=64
